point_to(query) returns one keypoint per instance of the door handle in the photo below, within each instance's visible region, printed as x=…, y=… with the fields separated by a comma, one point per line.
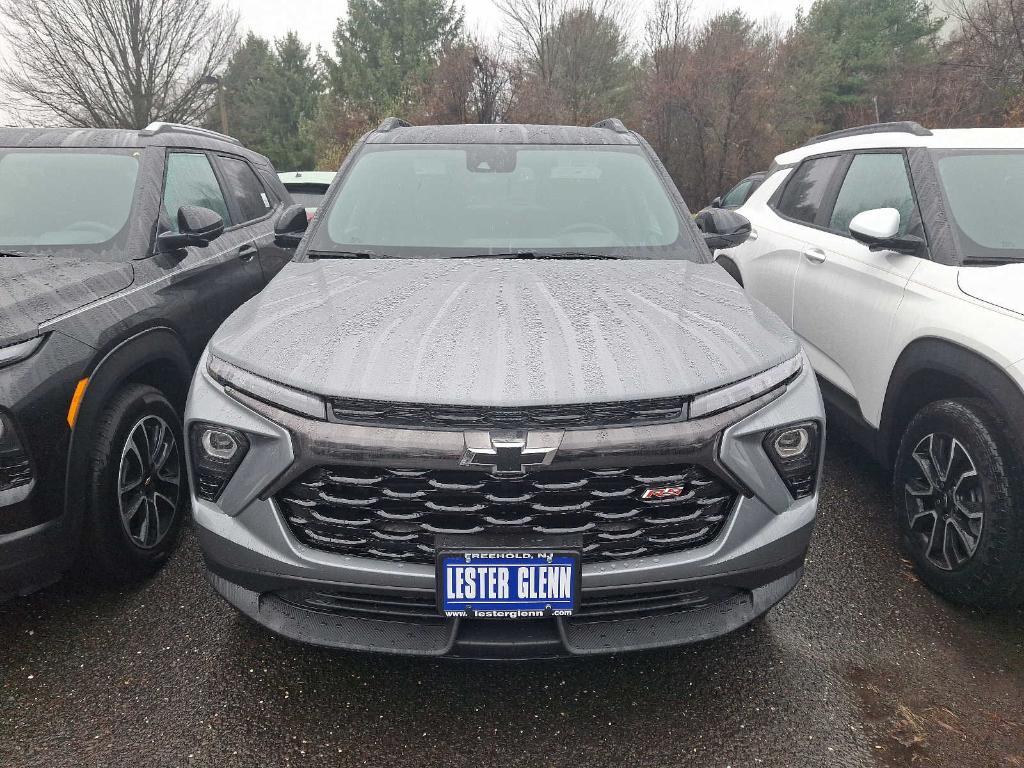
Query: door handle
x=246, y=252
x=814, y=255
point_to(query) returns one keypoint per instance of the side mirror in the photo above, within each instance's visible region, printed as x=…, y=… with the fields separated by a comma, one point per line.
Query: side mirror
x=290, y=226
x=879, y=230
x=716, y=203
x=196, y=226
x=722, y=228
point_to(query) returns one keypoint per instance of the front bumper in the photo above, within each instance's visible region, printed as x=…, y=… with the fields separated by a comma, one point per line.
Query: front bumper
x=255, y=561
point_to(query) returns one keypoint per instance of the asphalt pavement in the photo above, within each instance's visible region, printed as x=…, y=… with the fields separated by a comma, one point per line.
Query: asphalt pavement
x=861, y=666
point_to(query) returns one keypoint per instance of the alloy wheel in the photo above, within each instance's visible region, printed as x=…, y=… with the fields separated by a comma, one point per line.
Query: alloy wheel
x=945, y=502
x=149, y=481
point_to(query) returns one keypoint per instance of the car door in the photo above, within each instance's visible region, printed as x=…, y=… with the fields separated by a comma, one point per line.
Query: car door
x=256, y=205
x=208, y=283
x=783, y=214
x=847, y=295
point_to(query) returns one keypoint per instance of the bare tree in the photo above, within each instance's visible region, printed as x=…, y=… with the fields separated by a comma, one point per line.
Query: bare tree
x=114, y=63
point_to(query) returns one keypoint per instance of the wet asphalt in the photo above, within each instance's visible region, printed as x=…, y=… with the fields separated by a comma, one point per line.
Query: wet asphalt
x=861, y=666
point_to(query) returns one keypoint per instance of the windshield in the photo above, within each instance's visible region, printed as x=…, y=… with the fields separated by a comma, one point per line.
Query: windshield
x=984, y=194
x=443, y=200
x=51, y=198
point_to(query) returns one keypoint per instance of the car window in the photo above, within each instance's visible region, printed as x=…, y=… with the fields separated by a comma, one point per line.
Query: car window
x=308, y=195
x=874, y=180
x=245, y=189
x=737, y=196
x=191, y=181
x=985, y=203
x=805, y=192
x=439, y=201
x=60, y=198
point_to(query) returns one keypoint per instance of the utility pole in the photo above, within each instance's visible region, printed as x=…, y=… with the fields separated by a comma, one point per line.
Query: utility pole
x=878, y=119
x=221, y=103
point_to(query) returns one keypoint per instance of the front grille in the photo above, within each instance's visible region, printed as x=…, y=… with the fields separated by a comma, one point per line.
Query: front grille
x=395, y=514
x=421, y=607
x=15, y=470
x=462, y=417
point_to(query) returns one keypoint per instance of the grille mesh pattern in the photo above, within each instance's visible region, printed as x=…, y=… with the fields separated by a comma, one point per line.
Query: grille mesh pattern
x=420, y=415
x=396, y=513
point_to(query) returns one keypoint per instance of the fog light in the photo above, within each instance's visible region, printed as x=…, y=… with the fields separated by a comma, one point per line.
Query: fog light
x=216, y=453
x=795, y=452
x=15, y=468
x=792, y=442
x=219, y=444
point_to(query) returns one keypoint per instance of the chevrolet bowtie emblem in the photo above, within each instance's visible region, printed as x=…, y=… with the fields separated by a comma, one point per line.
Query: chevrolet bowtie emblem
x=510, y=452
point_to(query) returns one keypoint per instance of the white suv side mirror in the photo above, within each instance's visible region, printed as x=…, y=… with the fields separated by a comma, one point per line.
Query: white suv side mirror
x=879, y=230
x=878, y=224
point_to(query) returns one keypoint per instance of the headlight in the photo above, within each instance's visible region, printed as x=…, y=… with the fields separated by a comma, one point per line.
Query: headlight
x=14, y=353
x=280, y=395
x=15, y=468
x=216, y=453
x=795, y=452
x=744, y=391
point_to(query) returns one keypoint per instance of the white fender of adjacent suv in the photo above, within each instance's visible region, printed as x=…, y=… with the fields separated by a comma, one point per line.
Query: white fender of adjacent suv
x=914, y=323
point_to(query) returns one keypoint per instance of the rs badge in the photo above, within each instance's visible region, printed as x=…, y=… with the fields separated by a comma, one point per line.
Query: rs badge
x=664, y=493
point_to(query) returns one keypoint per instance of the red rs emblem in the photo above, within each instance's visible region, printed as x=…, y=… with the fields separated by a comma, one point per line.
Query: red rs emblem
x=664, y=493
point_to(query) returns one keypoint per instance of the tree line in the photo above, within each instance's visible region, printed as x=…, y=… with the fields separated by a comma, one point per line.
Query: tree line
x=717, y=97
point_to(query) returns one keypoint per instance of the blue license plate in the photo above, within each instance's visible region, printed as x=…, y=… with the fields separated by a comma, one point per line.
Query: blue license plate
x=508, y=584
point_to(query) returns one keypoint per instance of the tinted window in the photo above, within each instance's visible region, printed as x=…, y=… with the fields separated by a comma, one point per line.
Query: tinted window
x=985, y=200
x=450, y=200
x=805, y=191
x=245, y=189
x=191, y=181
x=308, y=195
x=64, y=197
x=874, y=181
x=738, y=195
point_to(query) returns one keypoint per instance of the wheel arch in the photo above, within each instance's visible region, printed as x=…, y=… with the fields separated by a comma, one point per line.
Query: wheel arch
x=937, y=369
x=155, y=356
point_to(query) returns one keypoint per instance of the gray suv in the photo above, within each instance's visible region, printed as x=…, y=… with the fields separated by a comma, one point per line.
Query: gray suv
x=503, y=404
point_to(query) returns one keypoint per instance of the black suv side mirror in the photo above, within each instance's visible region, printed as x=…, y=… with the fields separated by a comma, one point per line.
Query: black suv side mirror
x=197, y=226
x=722, y=228
x=290, y=226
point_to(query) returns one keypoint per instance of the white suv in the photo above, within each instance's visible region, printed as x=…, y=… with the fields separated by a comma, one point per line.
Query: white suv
x=897, y=255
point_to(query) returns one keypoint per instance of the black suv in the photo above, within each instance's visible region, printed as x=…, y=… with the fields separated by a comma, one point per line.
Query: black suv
x=120, y=253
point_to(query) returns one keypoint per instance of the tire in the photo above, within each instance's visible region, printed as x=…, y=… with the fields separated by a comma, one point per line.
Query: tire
x=960, y=504
x=131, y=524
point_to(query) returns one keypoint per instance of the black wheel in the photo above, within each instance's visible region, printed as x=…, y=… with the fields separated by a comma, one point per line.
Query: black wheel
x=138, y=494
x=959, y=504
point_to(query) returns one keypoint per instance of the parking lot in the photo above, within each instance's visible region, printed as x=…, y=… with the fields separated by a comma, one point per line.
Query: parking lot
x=862, y=666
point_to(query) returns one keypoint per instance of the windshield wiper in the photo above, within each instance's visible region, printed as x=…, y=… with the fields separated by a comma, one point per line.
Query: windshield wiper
x=533, y=255
x=346, y=255
x=14, y=254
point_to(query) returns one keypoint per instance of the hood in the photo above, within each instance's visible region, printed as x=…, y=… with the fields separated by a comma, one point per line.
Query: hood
x=1002, y=285
x=503, y=332
x=36, y=289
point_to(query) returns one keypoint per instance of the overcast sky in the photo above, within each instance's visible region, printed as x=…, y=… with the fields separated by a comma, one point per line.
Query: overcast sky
x=315, y=20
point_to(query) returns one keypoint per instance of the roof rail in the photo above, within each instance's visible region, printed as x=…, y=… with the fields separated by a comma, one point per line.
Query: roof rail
x=390, y=123
x=905, y=126
x=159, y=127
x=612, y=124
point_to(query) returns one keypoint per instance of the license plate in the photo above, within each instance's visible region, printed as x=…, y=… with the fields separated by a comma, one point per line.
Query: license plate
x=508, y=584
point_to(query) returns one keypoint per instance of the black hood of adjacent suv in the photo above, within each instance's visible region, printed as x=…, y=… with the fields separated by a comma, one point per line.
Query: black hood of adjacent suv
x=34, y=289
x=503, y=332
